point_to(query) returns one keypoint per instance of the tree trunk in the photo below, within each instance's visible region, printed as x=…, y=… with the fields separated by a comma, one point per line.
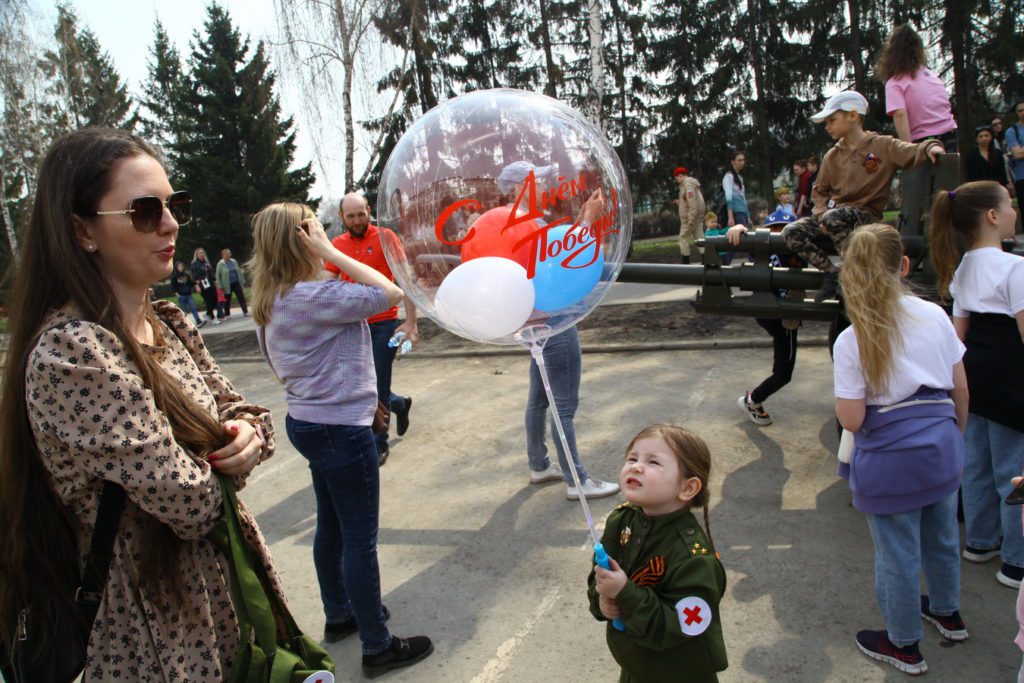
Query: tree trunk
x=595, y=88
x=955, y=26
x=760, y=110
x=551, y=87
x=856, y=48
x=620, y=83
x=350, y=134
x=5, y=212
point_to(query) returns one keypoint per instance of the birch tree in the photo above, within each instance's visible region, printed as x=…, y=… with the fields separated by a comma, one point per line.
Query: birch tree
x=595, y=89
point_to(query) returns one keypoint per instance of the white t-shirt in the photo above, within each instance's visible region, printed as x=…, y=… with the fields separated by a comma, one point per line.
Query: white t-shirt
x=988, y=280
x=930, y=350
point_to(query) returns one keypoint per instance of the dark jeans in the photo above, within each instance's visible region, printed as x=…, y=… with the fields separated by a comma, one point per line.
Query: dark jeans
x=236, y=289
x=783, y=359
x=383, y=360
x=210, y=300
x=346, y=482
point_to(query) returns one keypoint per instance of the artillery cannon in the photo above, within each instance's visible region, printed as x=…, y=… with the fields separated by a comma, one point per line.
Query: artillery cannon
x=758, y=277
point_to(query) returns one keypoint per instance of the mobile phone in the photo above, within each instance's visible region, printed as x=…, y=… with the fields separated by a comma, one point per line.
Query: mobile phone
x=1016, y=496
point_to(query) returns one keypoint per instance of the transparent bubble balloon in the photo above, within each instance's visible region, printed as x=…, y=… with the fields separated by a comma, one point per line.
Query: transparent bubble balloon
x=513, y=215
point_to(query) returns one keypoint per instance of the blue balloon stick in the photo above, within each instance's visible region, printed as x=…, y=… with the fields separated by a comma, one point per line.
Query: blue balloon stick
x=602, y=560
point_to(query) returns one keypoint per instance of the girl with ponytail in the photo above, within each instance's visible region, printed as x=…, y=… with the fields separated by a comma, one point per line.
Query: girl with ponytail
x=987, y=287
x=901, y=390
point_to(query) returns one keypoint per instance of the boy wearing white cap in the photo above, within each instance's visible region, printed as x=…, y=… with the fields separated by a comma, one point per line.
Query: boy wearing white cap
x=853, y=183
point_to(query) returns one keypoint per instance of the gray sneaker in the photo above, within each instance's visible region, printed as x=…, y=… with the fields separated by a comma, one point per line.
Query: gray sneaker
x=593, y=488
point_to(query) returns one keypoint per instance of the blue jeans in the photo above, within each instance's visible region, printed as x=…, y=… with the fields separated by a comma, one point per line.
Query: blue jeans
x=564, y=362
x=188, y=305
x=383, y=360
x=742, y=218
x=905, y=543
x=346, y=482
x=993, y=456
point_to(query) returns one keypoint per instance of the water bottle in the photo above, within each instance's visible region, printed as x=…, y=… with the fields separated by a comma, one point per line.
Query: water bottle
x=401, y=343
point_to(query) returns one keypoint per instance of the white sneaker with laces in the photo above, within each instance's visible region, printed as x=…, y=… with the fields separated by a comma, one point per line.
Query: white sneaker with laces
x=593, y=488
x=552, y=473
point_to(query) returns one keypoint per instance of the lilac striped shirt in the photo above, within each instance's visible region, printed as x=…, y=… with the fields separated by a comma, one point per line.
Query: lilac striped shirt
x=319, y=345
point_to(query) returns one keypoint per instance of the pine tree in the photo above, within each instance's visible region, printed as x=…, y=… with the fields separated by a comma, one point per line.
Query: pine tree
x=233, y=151
x=163, y=92
x=85, y=87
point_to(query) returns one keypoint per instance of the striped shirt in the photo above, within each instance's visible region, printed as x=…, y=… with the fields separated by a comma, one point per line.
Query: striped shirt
x=319, y=346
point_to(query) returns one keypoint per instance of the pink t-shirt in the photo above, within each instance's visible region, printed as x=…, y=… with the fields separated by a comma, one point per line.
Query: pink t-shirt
x=925, y=100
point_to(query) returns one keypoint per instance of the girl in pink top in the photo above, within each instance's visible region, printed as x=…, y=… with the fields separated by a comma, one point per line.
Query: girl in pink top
x=914, y=96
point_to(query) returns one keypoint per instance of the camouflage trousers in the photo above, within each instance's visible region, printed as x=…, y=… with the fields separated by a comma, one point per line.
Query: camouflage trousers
x=809, y=237
x=690, y=233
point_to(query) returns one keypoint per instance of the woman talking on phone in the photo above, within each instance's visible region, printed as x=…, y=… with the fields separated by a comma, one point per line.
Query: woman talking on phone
x=314, y=334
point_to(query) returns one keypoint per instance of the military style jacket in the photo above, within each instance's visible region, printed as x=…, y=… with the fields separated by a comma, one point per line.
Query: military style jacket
x=673, y=633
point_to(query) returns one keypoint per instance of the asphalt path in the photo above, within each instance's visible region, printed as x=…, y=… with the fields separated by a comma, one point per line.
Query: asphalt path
x=494, y=569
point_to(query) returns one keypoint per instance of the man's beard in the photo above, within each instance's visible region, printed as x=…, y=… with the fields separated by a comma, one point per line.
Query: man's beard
x=358, y=231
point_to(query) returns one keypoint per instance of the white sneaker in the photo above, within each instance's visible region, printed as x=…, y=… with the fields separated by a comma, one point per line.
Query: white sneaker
x=216, y=321
x=593, y=488
x=552, y=473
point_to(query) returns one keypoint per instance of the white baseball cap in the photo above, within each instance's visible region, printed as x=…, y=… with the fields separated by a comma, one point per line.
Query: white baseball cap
x=517, y=171
x=848, y=100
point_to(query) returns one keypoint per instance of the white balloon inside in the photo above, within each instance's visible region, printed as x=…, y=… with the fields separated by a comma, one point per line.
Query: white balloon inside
x=485, y=299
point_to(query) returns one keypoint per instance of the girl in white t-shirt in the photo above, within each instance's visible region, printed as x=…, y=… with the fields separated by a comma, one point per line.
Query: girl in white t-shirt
x=988, y=311
x=900, y=388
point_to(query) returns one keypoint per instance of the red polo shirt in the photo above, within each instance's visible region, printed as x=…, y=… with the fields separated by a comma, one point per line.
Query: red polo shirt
x=367, y=249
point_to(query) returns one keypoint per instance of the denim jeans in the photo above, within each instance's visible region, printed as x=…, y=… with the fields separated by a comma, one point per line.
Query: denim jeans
x=346, y=482
x=383, y=360
x=927, y=538
x=994, y=455
x=563, y=360
x=188, y=305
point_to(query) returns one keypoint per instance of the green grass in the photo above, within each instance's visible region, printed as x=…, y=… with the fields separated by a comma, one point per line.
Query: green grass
x=201, y=303
x=644, y=251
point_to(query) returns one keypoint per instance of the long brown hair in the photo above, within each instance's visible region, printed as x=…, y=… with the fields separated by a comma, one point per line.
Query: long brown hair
x=872, y=289
x=279, y=259
x=39, y=555
x=956, y=217
x=694, y=457
x=903, y=53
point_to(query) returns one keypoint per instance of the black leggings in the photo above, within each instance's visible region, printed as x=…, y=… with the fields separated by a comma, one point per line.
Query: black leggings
x=783, y=359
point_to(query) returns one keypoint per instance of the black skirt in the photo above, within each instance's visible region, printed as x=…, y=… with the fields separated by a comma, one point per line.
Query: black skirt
x=995, y=369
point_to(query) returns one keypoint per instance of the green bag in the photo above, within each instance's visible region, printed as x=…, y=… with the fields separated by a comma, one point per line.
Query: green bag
x=262, y=658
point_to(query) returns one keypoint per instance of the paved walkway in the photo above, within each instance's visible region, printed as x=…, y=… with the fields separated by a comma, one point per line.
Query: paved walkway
x=494, y=569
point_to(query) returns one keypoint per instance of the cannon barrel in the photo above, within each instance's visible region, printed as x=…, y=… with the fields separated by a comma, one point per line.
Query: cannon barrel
x=747, y=277
x=765, y=242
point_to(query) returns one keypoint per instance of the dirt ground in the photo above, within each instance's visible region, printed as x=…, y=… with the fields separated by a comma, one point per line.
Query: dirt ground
x=633, y=323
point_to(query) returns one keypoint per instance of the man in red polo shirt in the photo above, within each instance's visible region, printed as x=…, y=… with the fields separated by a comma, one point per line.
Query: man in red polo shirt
x=362, y=241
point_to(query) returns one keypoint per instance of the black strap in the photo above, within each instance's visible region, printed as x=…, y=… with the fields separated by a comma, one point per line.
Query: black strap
x=101, y=550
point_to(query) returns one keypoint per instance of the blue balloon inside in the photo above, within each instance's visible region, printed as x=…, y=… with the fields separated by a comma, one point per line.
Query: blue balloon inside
x=556, y=285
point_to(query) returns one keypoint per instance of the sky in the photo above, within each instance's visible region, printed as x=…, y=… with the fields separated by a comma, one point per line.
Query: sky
x=124, y=29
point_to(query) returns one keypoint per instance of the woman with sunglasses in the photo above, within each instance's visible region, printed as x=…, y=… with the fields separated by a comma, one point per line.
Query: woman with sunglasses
x=102, y=385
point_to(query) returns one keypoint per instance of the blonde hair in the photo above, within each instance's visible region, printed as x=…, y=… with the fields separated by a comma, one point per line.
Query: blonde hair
x=279, y=258
x=872, y=288
x=694, y=457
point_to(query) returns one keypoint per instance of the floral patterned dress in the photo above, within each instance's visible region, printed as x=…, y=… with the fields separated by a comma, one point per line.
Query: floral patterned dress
x=93, y=419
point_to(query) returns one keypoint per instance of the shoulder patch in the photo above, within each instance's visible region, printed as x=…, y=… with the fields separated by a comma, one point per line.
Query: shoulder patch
x=694, y=615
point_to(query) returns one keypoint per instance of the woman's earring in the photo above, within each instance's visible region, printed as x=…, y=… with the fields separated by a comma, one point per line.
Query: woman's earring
x=91, y=247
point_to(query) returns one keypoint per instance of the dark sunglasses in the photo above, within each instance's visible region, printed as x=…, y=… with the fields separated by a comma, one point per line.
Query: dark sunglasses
x=147, y=212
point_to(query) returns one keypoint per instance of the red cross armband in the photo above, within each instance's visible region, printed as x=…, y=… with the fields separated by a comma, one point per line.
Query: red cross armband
x=694, y=615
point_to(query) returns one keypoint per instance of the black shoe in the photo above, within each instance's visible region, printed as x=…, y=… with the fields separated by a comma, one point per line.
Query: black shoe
x=343, y=629
x=875, y=644
x=951, y=627
x=403, y=652
x=829, y=287
x=403, y=417
x=685, y=259
x=382, y=456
